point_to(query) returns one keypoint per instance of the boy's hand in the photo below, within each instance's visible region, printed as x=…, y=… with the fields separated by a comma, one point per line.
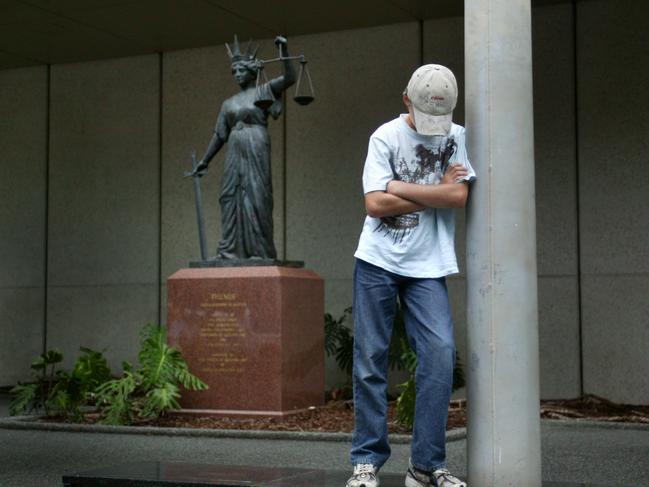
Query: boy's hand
x=454, y=173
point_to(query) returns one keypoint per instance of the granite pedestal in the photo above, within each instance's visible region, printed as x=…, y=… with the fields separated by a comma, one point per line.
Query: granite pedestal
x=255, y=335
x=159, y=474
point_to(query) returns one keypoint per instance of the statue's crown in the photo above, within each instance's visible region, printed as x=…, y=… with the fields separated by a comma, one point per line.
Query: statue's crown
x=236, y=54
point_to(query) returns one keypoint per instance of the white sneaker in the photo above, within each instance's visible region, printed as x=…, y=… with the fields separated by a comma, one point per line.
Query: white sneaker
x=439, y=478
x=445, y=479
x=365, y=475
x=417, y=478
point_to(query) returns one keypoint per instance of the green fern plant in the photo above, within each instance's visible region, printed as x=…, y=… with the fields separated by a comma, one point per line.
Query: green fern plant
x=58, y=392
x=38, y=395
x=151, y=390
x=23, y=399
x=91, y=369
x=114, y=398
x=339, y=340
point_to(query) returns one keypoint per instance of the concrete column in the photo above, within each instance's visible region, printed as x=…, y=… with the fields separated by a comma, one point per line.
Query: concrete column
x=503, y=378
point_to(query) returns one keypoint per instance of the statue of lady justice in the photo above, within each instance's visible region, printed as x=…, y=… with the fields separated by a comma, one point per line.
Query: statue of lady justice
x=246, y=190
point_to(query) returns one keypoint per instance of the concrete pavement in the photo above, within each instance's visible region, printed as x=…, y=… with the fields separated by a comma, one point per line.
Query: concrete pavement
x=581, y=454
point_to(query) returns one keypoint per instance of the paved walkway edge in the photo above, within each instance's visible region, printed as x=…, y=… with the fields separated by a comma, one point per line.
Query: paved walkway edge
x=584, y=423
x=34, y=423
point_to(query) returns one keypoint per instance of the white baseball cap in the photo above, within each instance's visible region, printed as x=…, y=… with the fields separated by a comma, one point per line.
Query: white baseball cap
x=432, y=90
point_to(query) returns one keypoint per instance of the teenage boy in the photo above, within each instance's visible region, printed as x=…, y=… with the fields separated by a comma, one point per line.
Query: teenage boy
x=416, y=172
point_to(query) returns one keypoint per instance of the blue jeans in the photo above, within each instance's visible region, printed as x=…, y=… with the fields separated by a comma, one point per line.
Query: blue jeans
x=429, y=327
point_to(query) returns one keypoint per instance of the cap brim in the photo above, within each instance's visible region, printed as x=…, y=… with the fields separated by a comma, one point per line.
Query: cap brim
x=432, y=124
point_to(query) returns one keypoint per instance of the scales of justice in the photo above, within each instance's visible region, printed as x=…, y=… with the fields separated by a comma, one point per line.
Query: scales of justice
x=246, y=197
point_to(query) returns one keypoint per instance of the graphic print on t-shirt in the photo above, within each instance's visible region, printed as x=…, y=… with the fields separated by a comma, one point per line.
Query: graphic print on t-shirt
x=426, y=165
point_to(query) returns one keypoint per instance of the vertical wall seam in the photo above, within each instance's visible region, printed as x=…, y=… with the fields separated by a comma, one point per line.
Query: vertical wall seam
x=421, y=42
x=577, y=196
x=48, y=114
x=159, y=256
x=284, y=182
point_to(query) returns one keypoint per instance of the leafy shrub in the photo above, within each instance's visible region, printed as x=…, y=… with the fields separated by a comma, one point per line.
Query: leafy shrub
x=57, y=392
x=339, y=340
x=151, y=390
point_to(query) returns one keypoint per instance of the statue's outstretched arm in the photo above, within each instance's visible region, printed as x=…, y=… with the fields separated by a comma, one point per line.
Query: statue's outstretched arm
x=282, y=83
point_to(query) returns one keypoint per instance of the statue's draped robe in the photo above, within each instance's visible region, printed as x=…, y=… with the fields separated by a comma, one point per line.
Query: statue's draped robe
x=246, y=191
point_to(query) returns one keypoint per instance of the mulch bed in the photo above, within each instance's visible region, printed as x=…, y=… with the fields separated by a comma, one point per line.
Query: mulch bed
x=338, y=416
x=590, y=407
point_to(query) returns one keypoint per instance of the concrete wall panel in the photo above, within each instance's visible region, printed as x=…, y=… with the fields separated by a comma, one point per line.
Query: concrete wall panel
x=613, y=65
x=21, y=316
x=554, y=140
x=105, y=318
x=23, y=143
x=556, y=201
x=559, y=337
x=613, y=120
x=616, y=337
x=23, y=169
x=104, y=203
x=104, y=158
x=195, y=83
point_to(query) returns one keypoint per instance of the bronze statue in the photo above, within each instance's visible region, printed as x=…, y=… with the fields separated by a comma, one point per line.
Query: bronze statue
x=246, y=191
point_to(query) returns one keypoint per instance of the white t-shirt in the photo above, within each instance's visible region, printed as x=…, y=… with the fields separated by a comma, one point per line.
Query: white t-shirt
x=419, y=244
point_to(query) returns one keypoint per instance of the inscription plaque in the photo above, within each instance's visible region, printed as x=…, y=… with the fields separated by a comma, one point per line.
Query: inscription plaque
x=223, y=335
